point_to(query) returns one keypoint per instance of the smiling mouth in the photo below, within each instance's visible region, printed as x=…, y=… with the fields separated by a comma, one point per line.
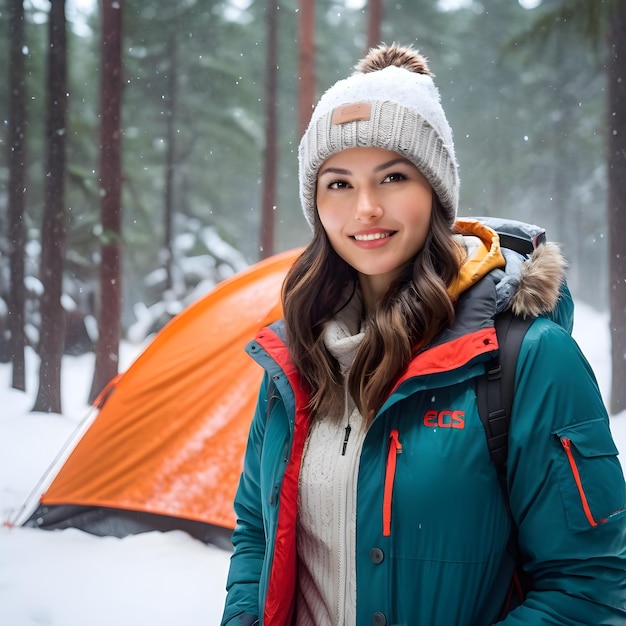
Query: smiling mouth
x=372, y=236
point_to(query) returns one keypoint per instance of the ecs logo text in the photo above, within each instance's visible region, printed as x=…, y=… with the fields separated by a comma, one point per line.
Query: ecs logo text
x=444, y=419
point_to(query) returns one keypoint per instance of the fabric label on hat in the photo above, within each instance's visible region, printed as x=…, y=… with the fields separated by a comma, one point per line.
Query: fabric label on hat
x=352, y=112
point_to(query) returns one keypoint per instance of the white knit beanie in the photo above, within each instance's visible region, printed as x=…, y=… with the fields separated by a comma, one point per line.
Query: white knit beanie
x=390, y=102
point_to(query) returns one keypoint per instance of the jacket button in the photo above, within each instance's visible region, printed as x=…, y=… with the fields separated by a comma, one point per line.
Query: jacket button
x=379, y=619
x=376, y=555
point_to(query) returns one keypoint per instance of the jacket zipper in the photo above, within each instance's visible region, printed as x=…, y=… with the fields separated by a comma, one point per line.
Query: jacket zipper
x=395, y=448
x=567, y=446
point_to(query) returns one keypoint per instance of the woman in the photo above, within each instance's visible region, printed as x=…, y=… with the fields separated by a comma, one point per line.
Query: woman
x=367, y=494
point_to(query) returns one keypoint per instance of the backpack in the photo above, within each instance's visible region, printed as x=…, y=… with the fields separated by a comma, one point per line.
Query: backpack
x=495, y=389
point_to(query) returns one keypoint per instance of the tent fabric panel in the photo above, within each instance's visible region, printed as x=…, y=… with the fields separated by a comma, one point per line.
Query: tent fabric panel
x=168, y=464
x=170, y=437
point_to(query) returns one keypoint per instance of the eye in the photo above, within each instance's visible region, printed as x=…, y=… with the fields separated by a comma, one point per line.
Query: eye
x=337, y=184
x=394, y=177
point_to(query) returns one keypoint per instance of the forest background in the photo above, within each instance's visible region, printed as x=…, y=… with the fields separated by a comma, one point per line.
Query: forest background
x=148, y=149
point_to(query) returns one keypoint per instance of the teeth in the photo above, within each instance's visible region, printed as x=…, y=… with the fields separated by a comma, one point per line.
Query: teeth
x=372, y=236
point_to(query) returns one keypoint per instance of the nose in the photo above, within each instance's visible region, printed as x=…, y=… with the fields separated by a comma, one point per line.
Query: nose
x=367, y=205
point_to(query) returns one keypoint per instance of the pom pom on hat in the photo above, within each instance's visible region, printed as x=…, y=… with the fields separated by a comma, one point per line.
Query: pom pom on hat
x=389, y=102
x=401, y=56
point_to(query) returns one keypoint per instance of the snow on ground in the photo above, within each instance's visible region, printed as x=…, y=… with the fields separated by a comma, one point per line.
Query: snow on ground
x=71, y=578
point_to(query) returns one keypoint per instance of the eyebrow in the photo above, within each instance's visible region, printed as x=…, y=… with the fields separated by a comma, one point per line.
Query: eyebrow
x=378, y=168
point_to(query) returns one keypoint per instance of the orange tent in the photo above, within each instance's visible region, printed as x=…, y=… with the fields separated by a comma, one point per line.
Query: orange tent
x=166, y=446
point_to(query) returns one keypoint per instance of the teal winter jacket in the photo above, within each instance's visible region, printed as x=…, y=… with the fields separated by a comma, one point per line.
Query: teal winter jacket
x=432, y=520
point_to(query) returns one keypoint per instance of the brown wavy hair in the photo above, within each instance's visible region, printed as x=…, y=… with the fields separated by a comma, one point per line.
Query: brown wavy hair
x=415, y=308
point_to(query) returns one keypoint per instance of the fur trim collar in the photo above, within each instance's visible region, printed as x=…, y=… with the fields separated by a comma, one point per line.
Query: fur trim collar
x=540, y=280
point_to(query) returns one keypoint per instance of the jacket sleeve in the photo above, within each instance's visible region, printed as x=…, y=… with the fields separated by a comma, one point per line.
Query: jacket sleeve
x=242, y=585
x=566, y=486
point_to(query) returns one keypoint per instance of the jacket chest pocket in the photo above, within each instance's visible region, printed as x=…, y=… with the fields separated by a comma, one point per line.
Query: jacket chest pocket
x=439, y=495
x=590, y=475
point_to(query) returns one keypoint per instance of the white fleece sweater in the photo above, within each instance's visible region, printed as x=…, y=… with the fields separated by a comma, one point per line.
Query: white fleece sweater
x=326, y=531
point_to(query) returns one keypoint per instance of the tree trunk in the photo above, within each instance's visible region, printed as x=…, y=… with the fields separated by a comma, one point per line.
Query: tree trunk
x=53, y=231
x=306, y=63
x=110, y=309
x=17, y=190
x=374, y=22
x=616, y=101
x=270, y=153
x=169, y=159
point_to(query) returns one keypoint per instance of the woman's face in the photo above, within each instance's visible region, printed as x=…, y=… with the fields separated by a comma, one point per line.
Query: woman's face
x=375, y=207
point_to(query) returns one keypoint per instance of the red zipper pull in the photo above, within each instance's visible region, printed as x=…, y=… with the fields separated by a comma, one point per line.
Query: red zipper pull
x=395, y=439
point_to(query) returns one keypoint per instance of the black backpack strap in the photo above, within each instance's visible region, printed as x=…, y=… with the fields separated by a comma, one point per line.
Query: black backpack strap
x=496, y=388
x=494, y=392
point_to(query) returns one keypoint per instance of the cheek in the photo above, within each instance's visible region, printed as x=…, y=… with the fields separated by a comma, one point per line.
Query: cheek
x=420, y=213
x=330, y=220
